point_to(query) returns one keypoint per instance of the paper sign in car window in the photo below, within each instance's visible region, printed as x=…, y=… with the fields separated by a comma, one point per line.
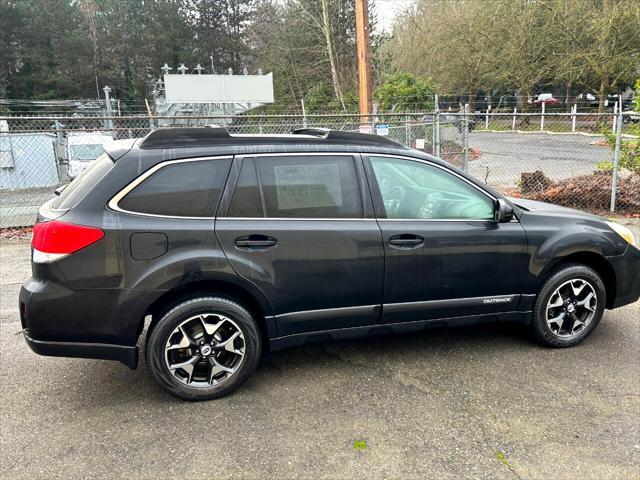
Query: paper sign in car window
x=308, y=186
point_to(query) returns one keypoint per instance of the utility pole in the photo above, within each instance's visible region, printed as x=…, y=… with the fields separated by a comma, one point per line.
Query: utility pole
x=364, y=59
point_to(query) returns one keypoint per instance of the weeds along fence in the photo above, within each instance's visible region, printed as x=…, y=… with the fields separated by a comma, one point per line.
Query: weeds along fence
x=568, y=159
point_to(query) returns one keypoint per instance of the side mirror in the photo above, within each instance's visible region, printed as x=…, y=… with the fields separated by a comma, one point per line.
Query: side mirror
x=503, y=211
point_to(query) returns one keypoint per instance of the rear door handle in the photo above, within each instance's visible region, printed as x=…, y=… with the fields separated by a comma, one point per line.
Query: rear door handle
x=255, y=242
x=406, y=240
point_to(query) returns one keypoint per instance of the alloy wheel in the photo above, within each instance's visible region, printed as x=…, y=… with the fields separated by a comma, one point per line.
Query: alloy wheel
x=205, y=350
x=571, y=307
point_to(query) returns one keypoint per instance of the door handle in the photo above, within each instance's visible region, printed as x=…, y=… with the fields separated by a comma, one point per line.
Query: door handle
x=406, y=240
x=255, y=242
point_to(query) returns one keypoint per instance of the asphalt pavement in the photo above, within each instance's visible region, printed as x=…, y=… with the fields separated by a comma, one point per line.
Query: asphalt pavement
x=481, y=402
x=504, y=156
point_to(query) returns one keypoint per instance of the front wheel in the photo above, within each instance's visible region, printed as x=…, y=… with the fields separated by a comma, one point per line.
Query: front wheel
x=569, y=306
x=203, y=348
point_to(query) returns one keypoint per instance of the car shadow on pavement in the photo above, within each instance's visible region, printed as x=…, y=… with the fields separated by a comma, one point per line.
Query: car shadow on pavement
x=119, y=384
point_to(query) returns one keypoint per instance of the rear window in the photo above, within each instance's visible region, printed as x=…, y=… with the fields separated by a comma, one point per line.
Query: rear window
x=184, y=189
x=83, y=183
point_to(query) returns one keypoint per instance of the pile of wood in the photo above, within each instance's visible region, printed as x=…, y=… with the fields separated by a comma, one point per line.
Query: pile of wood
x=585, y=192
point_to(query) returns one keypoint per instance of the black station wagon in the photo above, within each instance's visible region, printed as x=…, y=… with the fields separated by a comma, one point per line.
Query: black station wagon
x=229, y=245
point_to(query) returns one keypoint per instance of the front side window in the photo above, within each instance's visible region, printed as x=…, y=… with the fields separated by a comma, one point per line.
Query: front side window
x=183, y=189
x=416, y=190
x=309, y=186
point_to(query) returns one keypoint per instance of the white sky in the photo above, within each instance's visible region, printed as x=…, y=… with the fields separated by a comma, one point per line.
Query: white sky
x=387, y=10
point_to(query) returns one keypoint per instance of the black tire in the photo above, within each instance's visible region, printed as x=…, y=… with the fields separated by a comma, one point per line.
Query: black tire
x=541, y=330
x=174, y=317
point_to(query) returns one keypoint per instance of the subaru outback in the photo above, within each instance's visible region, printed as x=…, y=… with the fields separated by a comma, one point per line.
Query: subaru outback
x=224, y=246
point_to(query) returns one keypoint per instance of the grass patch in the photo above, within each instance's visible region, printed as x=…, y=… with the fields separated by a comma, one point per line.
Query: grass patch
x=360, y=445
x=500, y=456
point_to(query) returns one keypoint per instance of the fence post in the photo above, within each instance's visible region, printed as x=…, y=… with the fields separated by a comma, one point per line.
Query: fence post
x=542, y=117
x=146, y=102
x=108, y=124
x=61, y=154
x=407, y=132
x=574, y=110
x=304, y=114
x=436, y=132
x=486, y=121
x=616, y=159
x=513, y=123
x=615, y=116
x=465, y=139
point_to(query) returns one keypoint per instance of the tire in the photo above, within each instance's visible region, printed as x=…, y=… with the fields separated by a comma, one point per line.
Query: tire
x=555, y=325
x=214, y=341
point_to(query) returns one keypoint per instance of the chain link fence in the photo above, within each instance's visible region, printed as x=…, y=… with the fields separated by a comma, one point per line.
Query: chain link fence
x=562, y=158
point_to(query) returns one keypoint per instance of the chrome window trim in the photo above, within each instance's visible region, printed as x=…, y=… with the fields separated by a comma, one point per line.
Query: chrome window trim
x=280, y=219
x=303, y=154
x=113, y=203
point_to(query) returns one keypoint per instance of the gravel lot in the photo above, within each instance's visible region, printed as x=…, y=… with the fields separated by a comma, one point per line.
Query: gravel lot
x=481, y=402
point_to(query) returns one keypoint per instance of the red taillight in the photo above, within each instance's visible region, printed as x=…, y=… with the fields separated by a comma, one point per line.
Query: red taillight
x=61, y=238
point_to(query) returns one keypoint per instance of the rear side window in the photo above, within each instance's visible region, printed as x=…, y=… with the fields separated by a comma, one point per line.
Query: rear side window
x=182, y=189
x=310, y=186
x=83, y=183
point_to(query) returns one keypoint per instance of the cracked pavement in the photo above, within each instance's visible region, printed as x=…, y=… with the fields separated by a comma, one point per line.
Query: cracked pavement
x=477, y=402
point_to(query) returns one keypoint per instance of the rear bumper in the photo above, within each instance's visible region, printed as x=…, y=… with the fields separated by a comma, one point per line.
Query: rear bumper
x=102, y=351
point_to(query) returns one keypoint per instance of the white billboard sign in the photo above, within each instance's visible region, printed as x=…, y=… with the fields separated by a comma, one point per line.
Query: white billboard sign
x=219, y=88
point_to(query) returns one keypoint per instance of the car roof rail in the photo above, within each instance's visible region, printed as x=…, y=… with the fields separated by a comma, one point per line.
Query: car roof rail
x=183, y=137
x=350, y=137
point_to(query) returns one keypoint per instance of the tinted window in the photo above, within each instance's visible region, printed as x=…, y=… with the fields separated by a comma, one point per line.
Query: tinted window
x=246, y=200
x=83, y=183
x=310, y=186
x=416, y=190
x=185, y=189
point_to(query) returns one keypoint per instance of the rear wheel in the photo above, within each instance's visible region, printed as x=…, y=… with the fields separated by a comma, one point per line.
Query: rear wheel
x=569, y=306
x=203, y=348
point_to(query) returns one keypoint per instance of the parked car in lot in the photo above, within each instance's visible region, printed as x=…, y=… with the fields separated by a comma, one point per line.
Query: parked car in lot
x=630, y=116
x=83, y=148
x=233, y=245
x=547, y=98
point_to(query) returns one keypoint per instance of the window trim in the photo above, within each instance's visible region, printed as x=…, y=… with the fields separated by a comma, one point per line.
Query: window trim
x=377, y=196
x=363, y=188
x=115, y=200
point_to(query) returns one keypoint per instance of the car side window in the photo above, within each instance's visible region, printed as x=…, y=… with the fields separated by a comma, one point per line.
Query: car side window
x=182, y=189
x=246, y=201
x=416, y=190
x=310, y=186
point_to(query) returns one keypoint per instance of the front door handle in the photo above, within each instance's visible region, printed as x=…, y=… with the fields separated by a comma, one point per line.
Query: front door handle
x=252, y=242
x=406, y=240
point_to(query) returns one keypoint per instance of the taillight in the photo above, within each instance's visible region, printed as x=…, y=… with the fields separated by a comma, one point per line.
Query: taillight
x=54, y=239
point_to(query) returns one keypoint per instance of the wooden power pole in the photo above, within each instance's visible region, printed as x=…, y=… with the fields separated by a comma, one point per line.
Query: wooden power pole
x=364, y=58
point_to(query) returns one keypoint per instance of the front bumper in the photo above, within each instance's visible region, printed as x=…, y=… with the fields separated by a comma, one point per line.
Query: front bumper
x=103, y=351
x=627, y=272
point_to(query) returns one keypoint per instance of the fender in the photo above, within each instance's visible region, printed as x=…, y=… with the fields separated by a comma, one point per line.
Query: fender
x=572, y=239
x=175, y=270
